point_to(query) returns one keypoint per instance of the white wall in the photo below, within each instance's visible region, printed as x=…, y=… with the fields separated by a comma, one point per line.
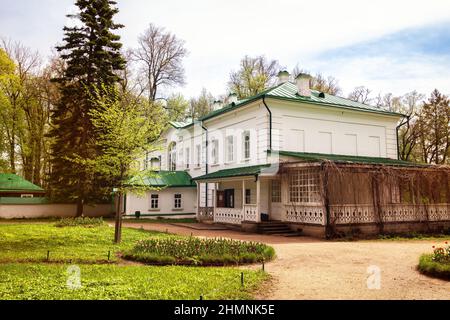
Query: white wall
x=166, y=202
x=19, y=211
x=316, y=129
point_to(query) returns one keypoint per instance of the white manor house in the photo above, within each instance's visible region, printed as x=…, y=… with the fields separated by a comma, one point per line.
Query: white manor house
x=292, y=158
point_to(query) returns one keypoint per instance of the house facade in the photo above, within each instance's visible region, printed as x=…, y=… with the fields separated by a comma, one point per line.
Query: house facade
x=271, y=157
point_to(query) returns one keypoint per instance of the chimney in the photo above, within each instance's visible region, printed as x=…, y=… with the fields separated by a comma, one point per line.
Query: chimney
x=217, y=104
x=283, y=76
x=302, y=81
x=232, y=98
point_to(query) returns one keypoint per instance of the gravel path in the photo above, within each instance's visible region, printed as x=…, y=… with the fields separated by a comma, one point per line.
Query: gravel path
x=308, y=268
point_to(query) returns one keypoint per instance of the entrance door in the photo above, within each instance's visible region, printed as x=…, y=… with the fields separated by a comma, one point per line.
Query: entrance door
x=229, y=198
x=276, y=207
x=220, y=199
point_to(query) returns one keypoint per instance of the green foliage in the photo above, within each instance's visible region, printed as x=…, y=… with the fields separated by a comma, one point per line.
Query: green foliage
x=201, y=105
x=429, y=266
x=196, y=251
x=91, y=52
x=111, y=282
x=80, y=221
x=22, y=242
x=177, y=107
x=255, y=75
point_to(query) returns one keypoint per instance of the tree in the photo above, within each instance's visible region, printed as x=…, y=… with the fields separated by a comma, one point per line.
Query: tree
x=434, y=124
x=124, y=133
x=201, y=105
x=254, y=75
x=319, y=82
x=360, y=94
x=160, y=56
x=177, y=107
x=92, y=57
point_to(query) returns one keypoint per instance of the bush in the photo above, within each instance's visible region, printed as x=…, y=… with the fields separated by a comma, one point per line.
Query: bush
x=195, y=251
x=436, y=264
x=80, y=221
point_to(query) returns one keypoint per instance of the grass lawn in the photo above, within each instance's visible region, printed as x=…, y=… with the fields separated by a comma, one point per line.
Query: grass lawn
x=25, y=274
x=433, y=268
x=40, y=281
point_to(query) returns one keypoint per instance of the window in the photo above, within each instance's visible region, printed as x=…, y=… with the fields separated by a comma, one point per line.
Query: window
x=248, y=196
x=181, y=156
x=155, y=164
x=215, y=151
x=177, y=201
x=304, y=186
x=198, y=152
x=26, y=196
x=276, y=191
x=246, y=146
x=188, y=158
x=173, y=156
x=230, y=149
x=154, y=201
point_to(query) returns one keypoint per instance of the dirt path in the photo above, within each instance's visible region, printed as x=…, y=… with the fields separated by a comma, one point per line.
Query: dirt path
x=308, y=268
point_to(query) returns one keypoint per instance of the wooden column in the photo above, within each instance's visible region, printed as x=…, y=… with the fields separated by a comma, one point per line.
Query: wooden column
x=258, y=200
x=198, y=200
x=243, y=199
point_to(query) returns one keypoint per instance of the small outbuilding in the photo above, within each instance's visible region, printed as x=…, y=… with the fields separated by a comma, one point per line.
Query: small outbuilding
x=14, y=186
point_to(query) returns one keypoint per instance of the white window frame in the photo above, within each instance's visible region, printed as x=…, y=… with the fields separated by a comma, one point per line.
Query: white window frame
x=246, y=145
x=304, y=186
x=188, y=158
x=214, y=151
x=26, y=195
x=172, y=157
x=229, y=149
x=154, y=201
x=198, y=155
x=178, y=201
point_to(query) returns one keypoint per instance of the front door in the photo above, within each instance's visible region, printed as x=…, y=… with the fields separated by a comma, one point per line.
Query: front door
x=220, y=198
x=276, y=207
x=229, y=198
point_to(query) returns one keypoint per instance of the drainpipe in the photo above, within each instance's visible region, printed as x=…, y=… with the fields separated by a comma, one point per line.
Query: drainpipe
x=270, y=121
x=206, y=161
x=396, y=131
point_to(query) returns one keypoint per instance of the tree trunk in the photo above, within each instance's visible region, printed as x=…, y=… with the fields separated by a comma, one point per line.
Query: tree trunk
x=80, y=205
x=118, y=225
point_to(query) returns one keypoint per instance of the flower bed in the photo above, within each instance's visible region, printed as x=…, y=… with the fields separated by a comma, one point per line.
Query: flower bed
x=436, y=264
x=196, y=251
x=79, y=221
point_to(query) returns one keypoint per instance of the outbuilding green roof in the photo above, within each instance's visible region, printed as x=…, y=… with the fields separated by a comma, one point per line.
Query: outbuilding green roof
x=234, y=172
x=337, y=158
x=169, y=179
x=13, y=183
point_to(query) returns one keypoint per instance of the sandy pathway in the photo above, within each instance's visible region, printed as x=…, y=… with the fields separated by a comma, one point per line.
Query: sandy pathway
x=308, y=268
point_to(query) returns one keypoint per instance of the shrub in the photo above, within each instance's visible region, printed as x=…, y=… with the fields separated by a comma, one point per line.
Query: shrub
x=436, y=264
x=80, y=221
x=196, y=251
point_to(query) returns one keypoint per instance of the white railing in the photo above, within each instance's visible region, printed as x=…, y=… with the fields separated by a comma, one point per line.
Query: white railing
x=313, y=214
x=251, y=212
x=205, y=213
x=228, y=215
x=352, y=213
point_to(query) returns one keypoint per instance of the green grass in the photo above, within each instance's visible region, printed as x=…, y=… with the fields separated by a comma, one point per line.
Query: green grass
x=433, y=268
x=49, y=282
x=25, y=273
x=415, y=236
x=22, y=242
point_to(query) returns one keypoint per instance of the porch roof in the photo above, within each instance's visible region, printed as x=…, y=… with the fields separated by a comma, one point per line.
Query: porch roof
x=347, y=159
x=234, y=172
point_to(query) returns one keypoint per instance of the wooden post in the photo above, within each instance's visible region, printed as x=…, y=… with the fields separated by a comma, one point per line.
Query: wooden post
x=198, y=201
x=258, y=200
x=243, y=199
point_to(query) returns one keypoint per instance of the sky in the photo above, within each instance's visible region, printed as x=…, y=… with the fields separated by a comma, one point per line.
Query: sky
x=388, y=46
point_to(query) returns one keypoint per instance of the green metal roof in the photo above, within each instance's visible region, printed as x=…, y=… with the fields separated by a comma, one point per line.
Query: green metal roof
x=169, y=179
x=288, y=91
x=181, y=124
x=234, y=172
x=314, y=157
x=13, y=183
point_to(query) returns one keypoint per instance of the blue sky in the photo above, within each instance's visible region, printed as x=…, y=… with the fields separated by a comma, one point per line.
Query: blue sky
x=388, y=46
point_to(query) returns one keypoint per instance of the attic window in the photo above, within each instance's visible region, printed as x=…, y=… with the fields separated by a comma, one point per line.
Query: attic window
x=321, y=95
